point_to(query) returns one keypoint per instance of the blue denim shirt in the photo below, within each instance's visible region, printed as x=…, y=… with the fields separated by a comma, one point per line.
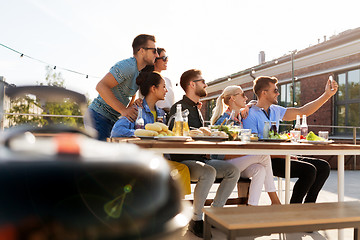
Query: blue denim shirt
x=226, y=115
x=125, y=73
x=125, y=128
x=257, y=117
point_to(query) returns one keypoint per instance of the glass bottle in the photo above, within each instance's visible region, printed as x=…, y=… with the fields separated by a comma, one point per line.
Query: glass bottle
x=139, y=123
x=266, y=129
x=186, y=130
x=231, y=120
x=178, y=126
x=297, y=124
x=304, y=127
x=273, y=127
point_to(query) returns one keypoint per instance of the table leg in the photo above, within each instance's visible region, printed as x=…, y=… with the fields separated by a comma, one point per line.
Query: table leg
x=356, y=233
x=207, y=229
x=341, y=176
x=287, y=179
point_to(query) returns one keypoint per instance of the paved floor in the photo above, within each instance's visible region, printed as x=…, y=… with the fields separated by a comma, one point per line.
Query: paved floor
x=327, y=194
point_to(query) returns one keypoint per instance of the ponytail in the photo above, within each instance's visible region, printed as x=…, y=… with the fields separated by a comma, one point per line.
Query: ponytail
x=218, y=110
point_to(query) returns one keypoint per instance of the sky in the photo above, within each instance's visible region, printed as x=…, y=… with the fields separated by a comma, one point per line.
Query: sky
x=217, y=37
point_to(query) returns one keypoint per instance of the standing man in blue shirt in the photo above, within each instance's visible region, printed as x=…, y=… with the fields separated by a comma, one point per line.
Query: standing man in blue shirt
x=312, y=173
x=117, y=89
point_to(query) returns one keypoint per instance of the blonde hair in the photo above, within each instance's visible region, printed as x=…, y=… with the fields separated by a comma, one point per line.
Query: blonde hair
x=223, y=100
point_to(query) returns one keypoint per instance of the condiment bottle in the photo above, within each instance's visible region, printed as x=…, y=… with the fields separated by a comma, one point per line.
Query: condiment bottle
x=273, y=127
x=304, y=127
x=297, y=124
x=139, y=122
x=178, y=126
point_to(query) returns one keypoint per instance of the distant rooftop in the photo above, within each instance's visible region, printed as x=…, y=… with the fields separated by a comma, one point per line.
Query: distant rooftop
x=335, y=40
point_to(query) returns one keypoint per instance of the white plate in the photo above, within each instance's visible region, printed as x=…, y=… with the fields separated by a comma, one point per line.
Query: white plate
x=174, y=138
x=316, y=142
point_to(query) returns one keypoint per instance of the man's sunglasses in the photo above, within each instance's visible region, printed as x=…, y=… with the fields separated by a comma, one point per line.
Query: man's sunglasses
x=275, y=90
x=153, y=49
x=164, y=58
x=199, y=80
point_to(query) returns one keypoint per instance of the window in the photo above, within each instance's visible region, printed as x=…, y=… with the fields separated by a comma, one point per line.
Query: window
x=211, y=106
x=286, y=100
x=286, y=94
x=347, y=103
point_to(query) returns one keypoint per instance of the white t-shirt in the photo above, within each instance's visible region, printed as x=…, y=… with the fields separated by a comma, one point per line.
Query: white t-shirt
x=169, y=97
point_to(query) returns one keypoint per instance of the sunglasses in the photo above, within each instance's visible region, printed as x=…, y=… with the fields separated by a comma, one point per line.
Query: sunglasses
x=153, y=49
x=199, y=80
x=242, y=94
x=275, y=90
x=164, y=58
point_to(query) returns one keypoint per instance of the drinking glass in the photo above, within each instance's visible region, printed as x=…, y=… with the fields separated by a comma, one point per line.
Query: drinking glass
x=324, y=135
x=295, y=135
x=245, y=135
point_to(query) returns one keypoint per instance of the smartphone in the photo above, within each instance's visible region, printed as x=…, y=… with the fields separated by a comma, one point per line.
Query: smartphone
x=331, y=80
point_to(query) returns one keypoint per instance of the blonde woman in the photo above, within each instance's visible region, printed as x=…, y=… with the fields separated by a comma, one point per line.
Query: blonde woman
x=256, y=167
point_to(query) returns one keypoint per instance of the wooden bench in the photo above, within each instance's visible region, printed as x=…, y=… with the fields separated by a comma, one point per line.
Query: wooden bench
x=242, y=189
x=264, y=220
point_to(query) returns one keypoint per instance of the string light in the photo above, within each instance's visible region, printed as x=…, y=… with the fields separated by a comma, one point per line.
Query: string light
x=65, y=69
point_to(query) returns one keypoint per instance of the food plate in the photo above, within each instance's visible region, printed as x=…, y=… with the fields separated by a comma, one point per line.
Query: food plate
x=173, y=138
x=316, y=142
x=274, y=140
x=210, y=138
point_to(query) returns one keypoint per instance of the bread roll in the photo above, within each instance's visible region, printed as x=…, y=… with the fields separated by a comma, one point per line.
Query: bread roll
x=219, y=134
x=206, y=131
x=153, y=127
x=145, y=133
x=163, y=126
x=196, y=133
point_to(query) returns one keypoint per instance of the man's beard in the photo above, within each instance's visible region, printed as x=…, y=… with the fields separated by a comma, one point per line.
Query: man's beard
x=201, y=92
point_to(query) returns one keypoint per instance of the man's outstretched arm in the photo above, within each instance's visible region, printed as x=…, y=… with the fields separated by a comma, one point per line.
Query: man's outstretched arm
x=311, y=107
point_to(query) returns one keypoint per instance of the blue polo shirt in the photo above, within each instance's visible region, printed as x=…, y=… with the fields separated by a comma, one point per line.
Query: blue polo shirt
x=124, y=128
x=125, y=73
x=257, y=117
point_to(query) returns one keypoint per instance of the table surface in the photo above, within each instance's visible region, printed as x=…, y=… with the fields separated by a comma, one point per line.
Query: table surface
x=237, y=146
x=253, y=217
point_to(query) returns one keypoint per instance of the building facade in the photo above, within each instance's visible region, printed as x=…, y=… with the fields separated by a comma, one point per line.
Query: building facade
x=302, y=77
x=339, y=56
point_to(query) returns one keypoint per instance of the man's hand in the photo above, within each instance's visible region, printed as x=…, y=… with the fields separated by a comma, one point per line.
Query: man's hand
x=130, y=113
x=138, y=102
x=331, y=87
x=244, y=112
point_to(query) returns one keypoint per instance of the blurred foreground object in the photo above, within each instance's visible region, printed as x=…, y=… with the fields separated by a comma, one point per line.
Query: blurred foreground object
x=57, y=182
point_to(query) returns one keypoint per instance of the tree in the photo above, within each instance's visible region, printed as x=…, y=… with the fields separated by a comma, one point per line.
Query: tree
x=32, y=105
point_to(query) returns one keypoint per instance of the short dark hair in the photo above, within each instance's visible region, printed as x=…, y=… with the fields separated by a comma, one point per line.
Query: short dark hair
x=146, y=80
x=141, y=41
x=262, y=82
x=187, y=77
x=160, y=50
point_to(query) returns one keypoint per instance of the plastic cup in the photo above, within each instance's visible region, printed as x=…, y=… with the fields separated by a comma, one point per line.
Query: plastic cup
x=295, y=135
x=324, y=135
